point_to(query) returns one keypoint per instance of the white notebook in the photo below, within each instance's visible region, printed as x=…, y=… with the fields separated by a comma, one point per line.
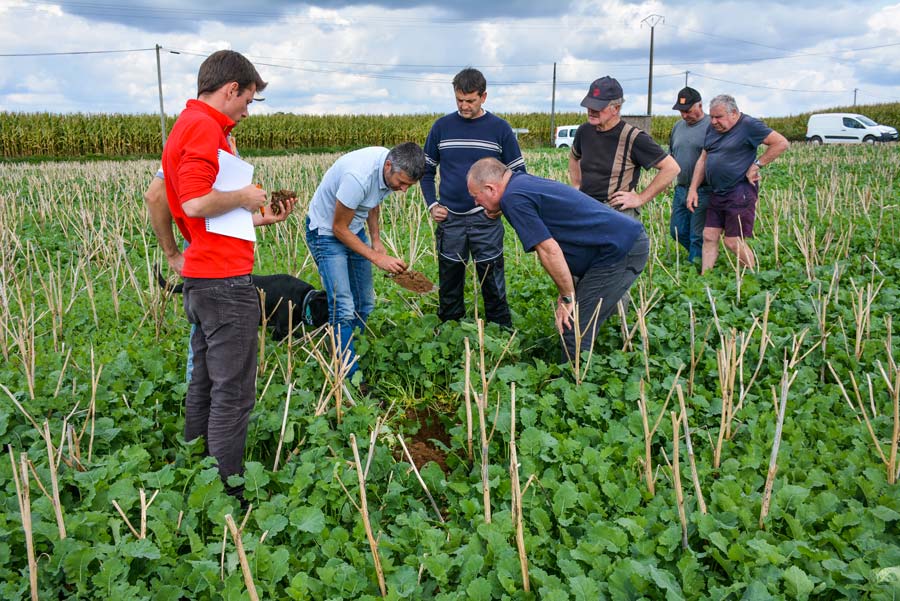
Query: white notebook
x=233, y=174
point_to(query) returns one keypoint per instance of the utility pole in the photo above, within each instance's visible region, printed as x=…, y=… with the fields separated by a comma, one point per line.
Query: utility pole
x=855, y=90
x=686, y=73
x=652, y=21
x=553, y=110
x=162, y=111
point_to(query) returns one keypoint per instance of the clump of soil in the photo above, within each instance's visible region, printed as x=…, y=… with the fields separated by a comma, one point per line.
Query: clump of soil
x=414, y=281
x=279, y=196
x=421, y=445
x=423, y=452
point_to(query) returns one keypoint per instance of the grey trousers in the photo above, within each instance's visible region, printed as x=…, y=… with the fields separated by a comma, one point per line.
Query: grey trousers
x=222, y=390
x=603, y=285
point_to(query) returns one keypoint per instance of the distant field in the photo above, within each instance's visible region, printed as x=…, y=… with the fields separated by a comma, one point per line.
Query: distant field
x=34, y=135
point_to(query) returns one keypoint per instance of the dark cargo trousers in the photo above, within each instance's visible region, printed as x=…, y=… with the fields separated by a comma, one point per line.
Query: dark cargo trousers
x=603, y=285
x=222, y=390
x=478, y=236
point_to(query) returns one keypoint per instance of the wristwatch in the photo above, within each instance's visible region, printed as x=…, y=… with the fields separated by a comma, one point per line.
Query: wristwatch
x=758, y=164
x=566, y=300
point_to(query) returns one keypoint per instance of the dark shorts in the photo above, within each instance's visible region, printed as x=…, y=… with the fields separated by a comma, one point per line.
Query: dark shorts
x=735, y=211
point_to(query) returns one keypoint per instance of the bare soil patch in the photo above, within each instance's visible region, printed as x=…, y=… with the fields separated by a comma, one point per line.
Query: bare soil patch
x=421, y=445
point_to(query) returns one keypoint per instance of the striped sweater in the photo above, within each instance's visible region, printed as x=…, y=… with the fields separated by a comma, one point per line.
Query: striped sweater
x=454, y=144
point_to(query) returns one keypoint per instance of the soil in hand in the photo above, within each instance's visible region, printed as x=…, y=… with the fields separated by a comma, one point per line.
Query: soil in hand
x=279, y=196
x=415, y=281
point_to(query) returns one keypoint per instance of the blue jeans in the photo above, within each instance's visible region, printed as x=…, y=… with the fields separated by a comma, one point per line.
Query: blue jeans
x=687, y=227
x=347, y=279
x=189, y=366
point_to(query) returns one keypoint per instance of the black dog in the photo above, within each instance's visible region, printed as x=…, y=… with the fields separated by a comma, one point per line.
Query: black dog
x=281, y=290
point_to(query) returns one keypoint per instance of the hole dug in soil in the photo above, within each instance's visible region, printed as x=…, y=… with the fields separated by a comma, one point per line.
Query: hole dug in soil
x=420, y=444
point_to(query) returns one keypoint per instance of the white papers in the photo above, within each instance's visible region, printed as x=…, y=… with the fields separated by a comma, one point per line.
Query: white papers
x=233, y=174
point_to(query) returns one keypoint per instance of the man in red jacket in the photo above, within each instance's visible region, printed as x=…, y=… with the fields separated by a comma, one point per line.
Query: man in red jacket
x=219, y=295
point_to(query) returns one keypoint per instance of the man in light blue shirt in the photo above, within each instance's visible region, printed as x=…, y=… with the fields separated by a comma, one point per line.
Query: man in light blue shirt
x=349, y=197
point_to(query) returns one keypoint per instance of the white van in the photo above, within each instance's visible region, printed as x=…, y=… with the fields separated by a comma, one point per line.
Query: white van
x=565, y=135
x=847, y=128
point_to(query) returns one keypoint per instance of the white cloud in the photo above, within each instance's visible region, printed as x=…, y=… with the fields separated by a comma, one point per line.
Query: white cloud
x=326, y=60
x=887, y=18
x=22, y=102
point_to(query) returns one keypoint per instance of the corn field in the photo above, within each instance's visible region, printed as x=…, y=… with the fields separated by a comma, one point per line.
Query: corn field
x=29, y=135
x=24, y=135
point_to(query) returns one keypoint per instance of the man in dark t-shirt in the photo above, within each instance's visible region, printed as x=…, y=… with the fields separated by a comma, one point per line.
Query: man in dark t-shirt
x=729, y=165
x=592, y=252
x=608, y=153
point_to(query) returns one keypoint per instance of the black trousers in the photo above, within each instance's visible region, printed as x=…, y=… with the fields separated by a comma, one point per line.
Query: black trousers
x=452, y=276
x=460, y=237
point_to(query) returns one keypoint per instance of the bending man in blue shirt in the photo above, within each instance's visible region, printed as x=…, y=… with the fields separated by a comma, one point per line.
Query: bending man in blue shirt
x=592, y=252
x=455, y=142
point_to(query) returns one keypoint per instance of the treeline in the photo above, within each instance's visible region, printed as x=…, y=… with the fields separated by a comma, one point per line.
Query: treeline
x=26, y=135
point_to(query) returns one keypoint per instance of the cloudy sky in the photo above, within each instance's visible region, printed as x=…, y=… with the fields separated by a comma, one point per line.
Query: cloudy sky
x=345, y=56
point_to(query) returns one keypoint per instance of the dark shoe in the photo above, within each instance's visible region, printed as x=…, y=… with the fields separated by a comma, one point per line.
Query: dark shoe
x=238, y=493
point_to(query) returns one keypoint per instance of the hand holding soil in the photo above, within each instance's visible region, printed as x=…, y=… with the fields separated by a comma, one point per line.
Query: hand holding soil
x=278, y=197
x=414, y=281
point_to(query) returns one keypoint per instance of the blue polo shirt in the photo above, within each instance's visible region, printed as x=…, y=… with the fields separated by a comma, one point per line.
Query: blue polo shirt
x=589, y=232
x=729, y=155
x=357, y=180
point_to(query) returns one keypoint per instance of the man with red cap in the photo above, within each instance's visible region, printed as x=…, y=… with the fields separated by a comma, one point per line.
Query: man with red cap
x=607, y=154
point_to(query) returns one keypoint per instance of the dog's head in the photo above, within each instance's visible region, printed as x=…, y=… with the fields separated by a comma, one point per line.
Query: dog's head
x=315, y=313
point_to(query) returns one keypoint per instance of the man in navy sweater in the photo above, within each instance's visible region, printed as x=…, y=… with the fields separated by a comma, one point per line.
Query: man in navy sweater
x=464, y=229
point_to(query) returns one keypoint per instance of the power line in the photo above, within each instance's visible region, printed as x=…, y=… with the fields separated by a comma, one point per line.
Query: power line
x=752, y=85
x=792, y=53
x=876, y=97
x=422, y=79
x=439, y=79
x=636, y=64
x=725, y=37
x=430, y=80
x=391, y=65
x=76, y=52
